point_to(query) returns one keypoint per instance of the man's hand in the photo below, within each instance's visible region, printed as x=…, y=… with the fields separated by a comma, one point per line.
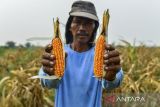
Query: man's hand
x=48, y=60
x=111, y=62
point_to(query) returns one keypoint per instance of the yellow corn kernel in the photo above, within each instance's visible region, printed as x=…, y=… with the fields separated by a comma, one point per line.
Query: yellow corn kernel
x=100, y=47
x=58, y=51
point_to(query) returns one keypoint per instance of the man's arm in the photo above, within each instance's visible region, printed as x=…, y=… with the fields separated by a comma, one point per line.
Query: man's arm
x=48, y=82
x=109, y=85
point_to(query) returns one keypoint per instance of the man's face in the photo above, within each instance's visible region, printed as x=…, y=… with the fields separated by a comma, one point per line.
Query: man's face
x=82, y=29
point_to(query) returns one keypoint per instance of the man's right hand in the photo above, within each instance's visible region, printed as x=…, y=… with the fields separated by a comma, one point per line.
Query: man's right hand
x=48, y=60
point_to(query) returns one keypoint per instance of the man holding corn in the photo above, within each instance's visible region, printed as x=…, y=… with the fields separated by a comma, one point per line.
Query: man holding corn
x=78, y=86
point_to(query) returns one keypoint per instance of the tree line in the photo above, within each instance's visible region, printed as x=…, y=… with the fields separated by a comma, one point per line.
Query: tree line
x=12, y=44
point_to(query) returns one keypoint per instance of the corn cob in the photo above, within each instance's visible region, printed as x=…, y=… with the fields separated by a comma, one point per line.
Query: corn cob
x=58, y=51
x=100, y=47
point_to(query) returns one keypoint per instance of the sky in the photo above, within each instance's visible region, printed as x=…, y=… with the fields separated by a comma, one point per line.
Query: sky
x=130, y=20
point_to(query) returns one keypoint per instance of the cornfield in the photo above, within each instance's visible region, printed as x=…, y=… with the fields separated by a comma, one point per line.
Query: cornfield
x=141, y=66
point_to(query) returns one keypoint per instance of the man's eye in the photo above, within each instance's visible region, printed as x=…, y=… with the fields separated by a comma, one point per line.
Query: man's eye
x=90, y=23
x=77, y=22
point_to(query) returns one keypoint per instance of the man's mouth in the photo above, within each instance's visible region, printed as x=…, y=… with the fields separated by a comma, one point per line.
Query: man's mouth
x=82, y=34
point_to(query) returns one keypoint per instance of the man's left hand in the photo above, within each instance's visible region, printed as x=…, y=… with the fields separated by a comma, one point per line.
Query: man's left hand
x=111, y=62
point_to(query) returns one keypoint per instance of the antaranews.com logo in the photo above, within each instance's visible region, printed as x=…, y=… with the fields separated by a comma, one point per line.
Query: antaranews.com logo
x=114, y=98
x=130, y=100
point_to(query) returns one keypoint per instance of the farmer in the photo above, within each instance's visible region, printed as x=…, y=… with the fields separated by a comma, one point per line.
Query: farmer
x=78, y=87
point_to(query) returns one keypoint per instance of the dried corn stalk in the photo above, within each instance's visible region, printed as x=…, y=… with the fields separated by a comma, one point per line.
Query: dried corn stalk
x=100, y=47
x=58, y=51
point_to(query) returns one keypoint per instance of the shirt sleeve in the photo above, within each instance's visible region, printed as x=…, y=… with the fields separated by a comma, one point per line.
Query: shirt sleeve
x=109, y=85
x=47, y=82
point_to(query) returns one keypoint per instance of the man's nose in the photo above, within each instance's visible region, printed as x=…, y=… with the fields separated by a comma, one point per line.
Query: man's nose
x=82, y=26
